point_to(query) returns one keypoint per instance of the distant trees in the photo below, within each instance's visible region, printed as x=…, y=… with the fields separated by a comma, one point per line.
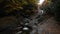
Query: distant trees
x=53, y=8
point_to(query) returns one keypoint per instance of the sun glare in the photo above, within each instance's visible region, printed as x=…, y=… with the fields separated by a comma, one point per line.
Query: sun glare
x=41, y=1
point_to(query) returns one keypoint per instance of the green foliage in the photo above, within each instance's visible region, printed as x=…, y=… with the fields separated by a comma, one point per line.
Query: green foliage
x=25, y=6
x=17, y=6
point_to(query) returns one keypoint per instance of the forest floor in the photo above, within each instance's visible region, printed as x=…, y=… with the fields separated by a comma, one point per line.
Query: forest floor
x=48, y=26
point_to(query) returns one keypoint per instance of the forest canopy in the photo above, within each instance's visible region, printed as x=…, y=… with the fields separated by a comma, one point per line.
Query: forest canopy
x=18, y=6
